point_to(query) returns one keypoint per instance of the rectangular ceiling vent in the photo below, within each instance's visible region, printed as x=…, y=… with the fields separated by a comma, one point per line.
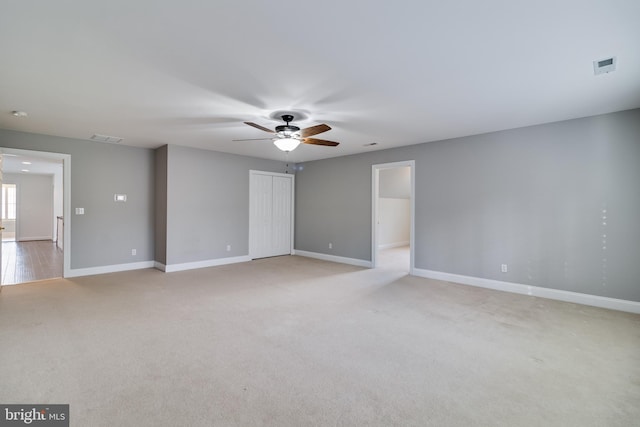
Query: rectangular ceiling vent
x=106, y=138
x=606, y=65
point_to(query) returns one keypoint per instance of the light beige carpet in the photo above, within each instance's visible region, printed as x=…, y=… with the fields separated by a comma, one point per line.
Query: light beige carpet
x=292, y=341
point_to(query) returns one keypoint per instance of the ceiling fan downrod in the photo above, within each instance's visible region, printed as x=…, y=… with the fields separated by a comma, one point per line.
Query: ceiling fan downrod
x=287, y=118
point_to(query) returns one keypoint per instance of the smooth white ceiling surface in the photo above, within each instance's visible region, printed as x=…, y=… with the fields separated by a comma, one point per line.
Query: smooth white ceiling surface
x=396, y=73
x=37, y=165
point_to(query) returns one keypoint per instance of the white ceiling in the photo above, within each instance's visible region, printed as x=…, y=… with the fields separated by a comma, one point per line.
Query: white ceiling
x=396, y=73
x=35, y=165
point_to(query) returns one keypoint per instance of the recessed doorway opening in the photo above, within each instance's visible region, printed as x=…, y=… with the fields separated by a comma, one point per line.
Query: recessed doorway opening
x=393, y=207
x=35, y=202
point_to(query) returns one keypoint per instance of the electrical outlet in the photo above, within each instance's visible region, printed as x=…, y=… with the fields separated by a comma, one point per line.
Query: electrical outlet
x=503, y=268
x=133, y=251
x=330, y=245
x=228, y=248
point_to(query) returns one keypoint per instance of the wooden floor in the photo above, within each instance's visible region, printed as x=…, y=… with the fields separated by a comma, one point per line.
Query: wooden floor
x=30, y=261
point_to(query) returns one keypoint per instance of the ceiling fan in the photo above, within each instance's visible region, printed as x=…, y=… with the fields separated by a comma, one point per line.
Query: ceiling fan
x=287, y=137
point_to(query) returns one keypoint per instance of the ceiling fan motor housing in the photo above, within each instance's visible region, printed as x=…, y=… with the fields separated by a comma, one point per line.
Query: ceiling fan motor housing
x=287, y=130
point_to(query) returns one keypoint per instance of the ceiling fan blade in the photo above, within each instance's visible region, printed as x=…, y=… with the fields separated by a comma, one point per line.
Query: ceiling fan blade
x=315, y=141
x=259, y=127
x=314, y=130
x=253, y=139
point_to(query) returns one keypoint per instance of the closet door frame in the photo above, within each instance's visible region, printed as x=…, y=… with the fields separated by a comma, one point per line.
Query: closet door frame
x=251, y=202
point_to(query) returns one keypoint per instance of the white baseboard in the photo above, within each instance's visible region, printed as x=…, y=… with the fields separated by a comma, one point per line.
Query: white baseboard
x=536, y=291
x=393, y=245
x=200, y=264
x=334, y=258
x=77, y=272
x=34, y=238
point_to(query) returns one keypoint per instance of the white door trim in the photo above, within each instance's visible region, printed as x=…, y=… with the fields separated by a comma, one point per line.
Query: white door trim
x=293, y=194
x=375, y=185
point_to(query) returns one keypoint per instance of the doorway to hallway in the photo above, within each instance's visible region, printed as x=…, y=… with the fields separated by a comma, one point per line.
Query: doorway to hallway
x=33, y=207
x=393, y=210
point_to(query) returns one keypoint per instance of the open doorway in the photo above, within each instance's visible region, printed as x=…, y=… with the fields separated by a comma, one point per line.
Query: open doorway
x=393, y=215
x=33, y=206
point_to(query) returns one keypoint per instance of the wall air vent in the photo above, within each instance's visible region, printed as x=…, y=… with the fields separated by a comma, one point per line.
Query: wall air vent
x=606, y=65
x=106, y=138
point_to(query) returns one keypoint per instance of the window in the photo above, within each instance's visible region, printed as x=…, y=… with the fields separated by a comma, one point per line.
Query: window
x=8, y=201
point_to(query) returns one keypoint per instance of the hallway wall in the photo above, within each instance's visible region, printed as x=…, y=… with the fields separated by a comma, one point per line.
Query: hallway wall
x=34, y=205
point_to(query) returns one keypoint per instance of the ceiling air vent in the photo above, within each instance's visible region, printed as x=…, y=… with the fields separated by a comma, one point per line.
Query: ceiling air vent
x=606, y=65
x=106, y=138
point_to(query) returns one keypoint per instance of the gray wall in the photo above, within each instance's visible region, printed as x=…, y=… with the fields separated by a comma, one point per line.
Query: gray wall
x=533, y=198
x=208, y=203
x=108, y=231
x=161, y=206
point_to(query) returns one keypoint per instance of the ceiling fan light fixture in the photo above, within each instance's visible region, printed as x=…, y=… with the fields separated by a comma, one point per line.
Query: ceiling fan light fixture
x=286, y=144
x=287, y=137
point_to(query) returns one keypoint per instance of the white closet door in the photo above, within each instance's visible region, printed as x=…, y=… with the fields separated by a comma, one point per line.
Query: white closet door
x=281, y=223
x=270, y=215
x=260, y=207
